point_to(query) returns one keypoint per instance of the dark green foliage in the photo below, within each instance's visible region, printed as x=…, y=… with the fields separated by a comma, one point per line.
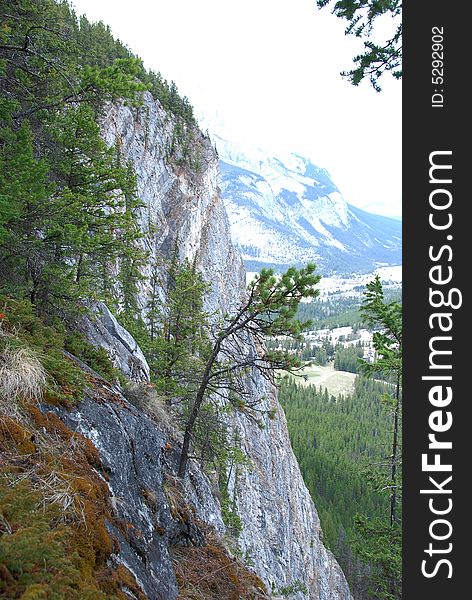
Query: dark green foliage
x=331, y=312
x=99, y=47
x=178, y=331
x=68, y=202
x=312, y=353
x=379, y=540
x=273, y=301
x=377, y=58
x=289, y=590
x=23, y=182
x=51, y=58
x=338, y=310
x=21, y=327
x=347, y=359
x=318, y=355
x=379, y=544
x=45, y=67
x=96, y=358
x=335, y=441
x=386, y=319
x=64, y=239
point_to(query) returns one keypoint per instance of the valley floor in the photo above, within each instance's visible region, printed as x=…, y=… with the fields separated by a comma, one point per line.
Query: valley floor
x=336, y=382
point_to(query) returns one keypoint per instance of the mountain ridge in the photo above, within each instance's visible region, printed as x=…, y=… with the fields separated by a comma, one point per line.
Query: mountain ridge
x=286, y=211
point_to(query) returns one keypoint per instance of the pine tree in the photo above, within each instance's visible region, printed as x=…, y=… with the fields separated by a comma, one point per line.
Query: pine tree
x=64, y=219
x=378, y=57
x=268, y=310
x=24, y=208
x=57, y=237
x=178, y=330
x=387, y=342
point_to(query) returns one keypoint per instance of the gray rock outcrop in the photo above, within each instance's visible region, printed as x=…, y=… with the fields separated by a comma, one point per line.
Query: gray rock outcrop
x=137, y=461
x=103, y=330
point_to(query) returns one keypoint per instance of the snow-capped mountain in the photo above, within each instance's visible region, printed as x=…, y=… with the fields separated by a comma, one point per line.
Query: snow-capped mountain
x=286, y=211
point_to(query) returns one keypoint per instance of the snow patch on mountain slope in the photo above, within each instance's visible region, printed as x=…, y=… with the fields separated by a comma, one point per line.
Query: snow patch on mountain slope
x=286, y=210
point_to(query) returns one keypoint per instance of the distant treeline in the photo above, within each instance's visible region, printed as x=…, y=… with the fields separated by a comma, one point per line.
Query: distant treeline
x=338, y=310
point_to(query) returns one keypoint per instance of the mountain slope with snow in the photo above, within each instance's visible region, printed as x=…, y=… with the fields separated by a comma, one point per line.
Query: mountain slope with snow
x=287, y=211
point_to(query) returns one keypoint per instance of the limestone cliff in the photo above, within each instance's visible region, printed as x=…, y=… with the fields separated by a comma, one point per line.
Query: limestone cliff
x=182, y=206
x=281, y=536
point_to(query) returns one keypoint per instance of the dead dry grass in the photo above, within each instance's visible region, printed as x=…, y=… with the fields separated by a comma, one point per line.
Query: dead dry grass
x=145, y=397
x=22, y=376
x=56, y=490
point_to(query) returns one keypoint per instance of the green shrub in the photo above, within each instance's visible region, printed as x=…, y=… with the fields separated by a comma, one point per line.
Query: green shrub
x=293, y=588
x=35, y=560
x=96, y=358
x=24, y=332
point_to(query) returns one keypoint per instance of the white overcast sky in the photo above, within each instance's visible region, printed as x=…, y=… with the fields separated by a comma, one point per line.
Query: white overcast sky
x=267, y=73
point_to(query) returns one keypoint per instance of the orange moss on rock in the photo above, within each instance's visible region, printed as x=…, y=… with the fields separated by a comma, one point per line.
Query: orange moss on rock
x=100, y=392
x=114, y=580
x=91, y=541
x=14, y=437
x=48, y=465
x=52, y=424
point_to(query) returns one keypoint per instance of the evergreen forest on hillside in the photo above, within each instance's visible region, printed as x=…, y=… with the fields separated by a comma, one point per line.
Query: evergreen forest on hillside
x=337, y=442
x=57, y=74
x=340, y=310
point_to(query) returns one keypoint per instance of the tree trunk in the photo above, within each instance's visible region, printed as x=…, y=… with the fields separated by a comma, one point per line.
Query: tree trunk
x=78, y=274
x=189, y=428
x=199, y=398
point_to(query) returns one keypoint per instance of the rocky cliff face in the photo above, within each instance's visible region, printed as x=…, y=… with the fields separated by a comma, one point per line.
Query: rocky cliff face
x=182, y=209
x=281, y=534
x=153, y=512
